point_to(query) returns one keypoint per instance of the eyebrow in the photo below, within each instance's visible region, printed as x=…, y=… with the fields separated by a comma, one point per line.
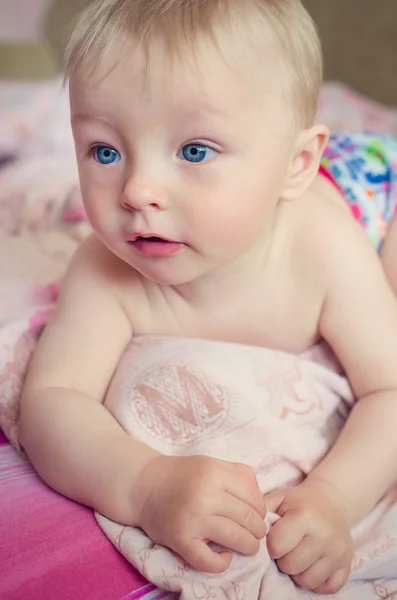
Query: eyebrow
x=81, y=116
x=191, y=114
x=205, y=110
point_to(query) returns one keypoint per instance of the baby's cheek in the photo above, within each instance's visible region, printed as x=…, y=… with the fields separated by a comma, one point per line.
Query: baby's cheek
x=99, y=186
x=229, y=227
x=94, y=217
x=96, y=204
x=101, y=180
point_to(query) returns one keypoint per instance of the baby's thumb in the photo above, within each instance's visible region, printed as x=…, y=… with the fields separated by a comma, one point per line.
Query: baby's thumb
x=203, y=558
x=220, y=561
x=225, y=560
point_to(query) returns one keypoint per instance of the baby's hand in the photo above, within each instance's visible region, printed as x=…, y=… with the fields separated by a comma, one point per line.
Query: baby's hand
x=187, y=502
x=311, y=542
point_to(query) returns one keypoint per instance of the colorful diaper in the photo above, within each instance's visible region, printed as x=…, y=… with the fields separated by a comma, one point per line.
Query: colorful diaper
x=364, y=167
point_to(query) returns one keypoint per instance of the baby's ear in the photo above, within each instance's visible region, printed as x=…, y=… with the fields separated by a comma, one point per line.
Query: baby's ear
x=305, y=161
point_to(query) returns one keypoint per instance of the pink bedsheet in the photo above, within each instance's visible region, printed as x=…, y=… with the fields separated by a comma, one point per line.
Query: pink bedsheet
x=51, y=548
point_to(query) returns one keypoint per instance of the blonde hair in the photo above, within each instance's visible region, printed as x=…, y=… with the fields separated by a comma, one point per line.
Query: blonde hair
x=105, y=23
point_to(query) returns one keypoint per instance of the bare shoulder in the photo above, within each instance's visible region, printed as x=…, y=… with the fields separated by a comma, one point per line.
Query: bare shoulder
x=359, y=312
x=328, y=240
x=89, y=330
x=330, y=254
x=94, y=259
x=92, y=274
x=95, y=267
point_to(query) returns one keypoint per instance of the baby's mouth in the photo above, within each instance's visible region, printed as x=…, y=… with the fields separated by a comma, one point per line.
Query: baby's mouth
x=152, y=239
x=149, y=238
x=156, y=247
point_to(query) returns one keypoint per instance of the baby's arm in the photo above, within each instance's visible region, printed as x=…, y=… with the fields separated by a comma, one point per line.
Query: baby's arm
x=312, y=540
x=80, y=450
x=359, y=320
x=75, y=444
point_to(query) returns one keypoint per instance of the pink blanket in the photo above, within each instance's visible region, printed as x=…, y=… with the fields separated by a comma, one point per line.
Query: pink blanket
x=275, y=412
x=41, y=222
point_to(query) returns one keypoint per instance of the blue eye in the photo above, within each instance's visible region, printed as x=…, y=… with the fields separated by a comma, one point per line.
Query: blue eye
x=106, y=155
x=197, y=153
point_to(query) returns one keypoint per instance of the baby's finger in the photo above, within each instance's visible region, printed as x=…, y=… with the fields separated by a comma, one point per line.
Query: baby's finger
x=301, y=558
x=242, y=484
x=316, y=575
x=285, y=535
x=273, y=500
x=229, y=535
x=243, y=514
x=200, y=556
x=335, y=583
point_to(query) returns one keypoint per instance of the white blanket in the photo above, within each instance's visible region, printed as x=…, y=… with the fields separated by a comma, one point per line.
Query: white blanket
x=273, y=411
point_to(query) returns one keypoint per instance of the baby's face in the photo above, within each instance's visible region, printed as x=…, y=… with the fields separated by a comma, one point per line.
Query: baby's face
x=182, y=165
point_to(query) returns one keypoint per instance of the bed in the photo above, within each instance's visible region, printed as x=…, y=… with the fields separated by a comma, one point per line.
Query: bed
x=50, y=547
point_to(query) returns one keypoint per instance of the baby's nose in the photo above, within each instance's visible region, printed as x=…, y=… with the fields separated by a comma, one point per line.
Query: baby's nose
x=138, y=196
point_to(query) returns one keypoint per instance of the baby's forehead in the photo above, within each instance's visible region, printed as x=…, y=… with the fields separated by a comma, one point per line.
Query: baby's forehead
x=205, y=78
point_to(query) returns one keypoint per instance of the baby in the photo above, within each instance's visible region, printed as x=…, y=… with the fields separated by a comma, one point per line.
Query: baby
x=220, y=211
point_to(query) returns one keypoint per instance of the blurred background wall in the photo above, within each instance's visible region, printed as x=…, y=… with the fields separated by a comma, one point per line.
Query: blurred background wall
x=24, y=50
x=359, y=39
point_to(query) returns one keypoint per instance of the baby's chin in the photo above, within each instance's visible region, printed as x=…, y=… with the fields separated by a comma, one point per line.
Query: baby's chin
x=167, y=275
x=170, y=271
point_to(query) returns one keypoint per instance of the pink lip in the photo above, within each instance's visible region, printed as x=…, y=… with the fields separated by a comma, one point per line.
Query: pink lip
x=155, y=248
